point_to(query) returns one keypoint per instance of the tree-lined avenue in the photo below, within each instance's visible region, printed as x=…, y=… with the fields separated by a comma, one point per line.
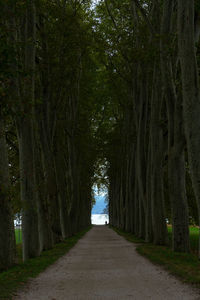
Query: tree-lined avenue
x=103, y=265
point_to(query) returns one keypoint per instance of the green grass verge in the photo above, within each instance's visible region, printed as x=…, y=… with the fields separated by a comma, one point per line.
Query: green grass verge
x=194, y=238
x=184, y=266
x=16, y=276
x=18, y=236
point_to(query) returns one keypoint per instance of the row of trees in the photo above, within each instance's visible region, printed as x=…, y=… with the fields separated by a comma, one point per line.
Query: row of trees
x=84, y=94
x=151, y=55
x=46, y=143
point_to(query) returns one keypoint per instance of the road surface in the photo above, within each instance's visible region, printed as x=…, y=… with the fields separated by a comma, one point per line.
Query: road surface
x=103, y=265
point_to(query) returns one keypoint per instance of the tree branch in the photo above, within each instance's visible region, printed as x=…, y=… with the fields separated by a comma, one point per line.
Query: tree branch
x=145, y=17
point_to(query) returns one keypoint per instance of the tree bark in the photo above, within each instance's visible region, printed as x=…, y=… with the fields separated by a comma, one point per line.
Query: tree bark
x=61, y=181
x=26, y=141
x=7, y=234
x=176, y=139
x=157, y=196
x=44, y=214
x=191, y=90
x=28, y=190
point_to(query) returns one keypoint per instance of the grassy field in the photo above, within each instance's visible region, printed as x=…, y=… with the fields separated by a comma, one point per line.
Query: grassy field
x=183, y=265
x=18, y=236
x=16, y=276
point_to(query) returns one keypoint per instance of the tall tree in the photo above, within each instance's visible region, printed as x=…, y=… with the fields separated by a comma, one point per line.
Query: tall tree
x=26, y=141
x=191, y=89
x=7, y=235
x=176, y=137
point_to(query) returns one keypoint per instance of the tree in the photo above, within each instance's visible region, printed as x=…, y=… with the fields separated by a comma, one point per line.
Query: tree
x=7, y=235
x=191, y=89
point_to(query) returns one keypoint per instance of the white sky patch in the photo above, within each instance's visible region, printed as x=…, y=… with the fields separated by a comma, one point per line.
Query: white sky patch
x=99, y=219
x=102, y=192
x=94, y=3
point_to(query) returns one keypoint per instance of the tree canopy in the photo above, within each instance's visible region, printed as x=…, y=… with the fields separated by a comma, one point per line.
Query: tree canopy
x=94, y=93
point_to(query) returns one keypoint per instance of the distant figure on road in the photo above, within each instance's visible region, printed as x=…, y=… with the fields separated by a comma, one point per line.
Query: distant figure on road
x=106, y=223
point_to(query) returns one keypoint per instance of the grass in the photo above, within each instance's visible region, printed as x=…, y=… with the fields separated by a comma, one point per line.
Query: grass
x=15, y=277
x=184, y=266
x=194, y=238
x=18, y=236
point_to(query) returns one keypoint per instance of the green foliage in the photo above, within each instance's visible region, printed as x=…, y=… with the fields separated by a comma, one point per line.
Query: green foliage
x=88, y=62
x=18, y=236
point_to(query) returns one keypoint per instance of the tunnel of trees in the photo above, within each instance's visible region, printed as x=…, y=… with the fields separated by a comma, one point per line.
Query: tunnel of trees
x=85, y=86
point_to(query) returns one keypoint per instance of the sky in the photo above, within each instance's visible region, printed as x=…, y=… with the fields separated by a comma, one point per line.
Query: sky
x=100, y=204
x=99, y=219
x=102, y=192
x=94, y=2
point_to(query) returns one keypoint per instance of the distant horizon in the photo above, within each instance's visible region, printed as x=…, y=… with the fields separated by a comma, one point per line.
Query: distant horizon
x=99, y=219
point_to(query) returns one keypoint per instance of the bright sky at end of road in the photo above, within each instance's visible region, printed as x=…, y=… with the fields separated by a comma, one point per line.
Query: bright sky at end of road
x=100, y=197
x=99, y=219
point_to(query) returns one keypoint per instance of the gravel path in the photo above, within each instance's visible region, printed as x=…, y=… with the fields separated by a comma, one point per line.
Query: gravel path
x=103, y=265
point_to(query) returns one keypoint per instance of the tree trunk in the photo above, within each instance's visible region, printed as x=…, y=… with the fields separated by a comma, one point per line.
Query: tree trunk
x=44, y=219
x=28, y=190
x=136, y=209
x=73, y=185
x=7, y=234
x=176, y=140
x=157, y=196
x=148, y=216
x=191, y=90
x=52, y=195
x=128, y=199
x=60, y=167
x=26, y=141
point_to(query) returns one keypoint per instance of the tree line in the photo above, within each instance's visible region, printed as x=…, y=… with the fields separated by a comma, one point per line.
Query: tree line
x=152, y=54
x=46, y=148
x=105, y=94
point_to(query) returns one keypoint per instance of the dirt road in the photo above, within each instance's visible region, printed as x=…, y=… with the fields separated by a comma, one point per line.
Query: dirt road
x=103, y=266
